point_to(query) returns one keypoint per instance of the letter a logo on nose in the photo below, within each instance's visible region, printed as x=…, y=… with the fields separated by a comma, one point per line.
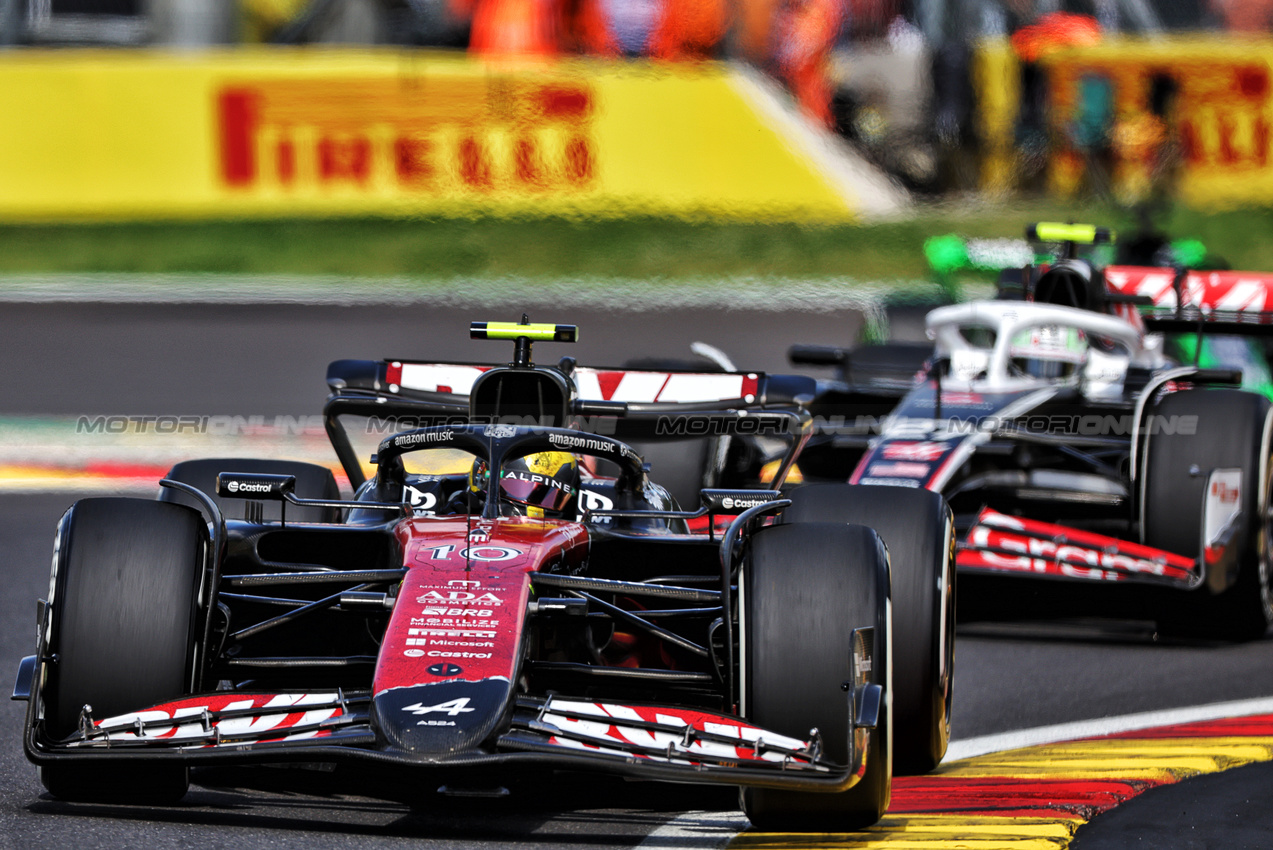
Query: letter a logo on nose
x=451, y=707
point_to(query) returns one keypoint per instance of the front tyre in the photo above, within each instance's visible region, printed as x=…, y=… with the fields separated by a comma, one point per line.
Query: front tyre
x=1232, y=432
x=804, y=589
x=124, y=600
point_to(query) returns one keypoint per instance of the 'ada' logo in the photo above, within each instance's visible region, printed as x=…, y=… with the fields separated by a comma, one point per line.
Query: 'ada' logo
x=435, y=597
x=452, y=707
x=445, y=669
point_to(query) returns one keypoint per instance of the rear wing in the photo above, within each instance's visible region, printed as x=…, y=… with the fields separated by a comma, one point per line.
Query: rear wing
x=628, y=404
x=445, y=387
x=410, y=379
x=1197, y=301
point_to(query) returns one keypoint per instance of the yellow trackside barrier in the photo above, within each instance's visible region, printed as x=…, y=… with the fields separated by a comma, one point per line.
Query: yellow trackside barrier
x=1212, y=143
x=996, y=79
x=1183, y=115
x=93, y=134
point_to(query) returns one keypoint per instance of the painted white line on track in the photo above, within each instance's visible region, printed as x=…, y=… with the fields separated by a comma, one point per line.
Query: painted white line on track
x=717, y=829
x=814, y=295
x=696, y=830
x=1055, y=734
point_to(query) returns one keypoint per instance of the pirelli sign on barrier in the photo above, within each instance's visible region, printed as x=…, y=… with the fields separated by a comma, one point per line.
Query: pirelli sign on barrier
x=310, y=132
x=1186, y=115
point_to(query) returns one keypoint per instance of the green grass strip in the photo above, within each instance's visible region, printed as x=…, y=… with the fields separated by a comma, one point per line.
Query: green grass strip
x=643, y=249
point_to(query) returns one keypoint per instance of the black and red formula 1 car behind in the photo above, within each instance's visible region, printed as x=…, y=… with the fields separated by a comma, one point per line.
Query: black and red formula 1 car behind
x=1091, y=427
x=503, y=595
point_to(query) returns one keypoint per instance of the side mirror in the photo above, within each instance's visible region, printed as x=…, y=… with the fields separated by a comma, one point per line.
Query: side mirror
x=817, y=355
x=246, y=485
x=736, y=501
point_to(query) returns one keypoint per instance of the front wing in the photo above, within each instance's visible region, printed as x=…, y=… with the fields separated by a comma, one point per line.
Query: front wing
x=648, y=741
x=1006, y=545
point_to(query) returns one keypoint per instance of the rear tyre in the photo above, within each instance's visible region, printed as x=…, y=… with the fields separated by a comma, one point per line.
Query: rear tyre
x=127, y=574
x=312, y=482
x=804, y=589
x=918, y=529
x=1232, y=433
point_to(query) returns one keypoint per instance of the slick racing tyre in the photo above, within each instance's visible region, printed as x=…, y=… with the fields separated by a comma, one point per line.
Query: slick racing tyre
x=804, y=589
x=918, y=529
x=1232, y=432
x=312, y=482
x=124, y=600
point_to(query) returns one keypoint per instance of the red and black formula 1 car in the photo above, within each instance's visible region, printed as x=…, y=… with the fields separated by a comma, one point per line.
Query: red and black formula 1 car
x=1080, y=433
x=501, y=595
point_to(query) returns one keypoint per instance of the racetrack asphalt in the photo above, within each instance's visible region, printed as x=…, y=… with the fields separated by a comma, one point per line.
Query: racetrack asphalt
x=1228, y=809
x=70, y=359
x=271, y=359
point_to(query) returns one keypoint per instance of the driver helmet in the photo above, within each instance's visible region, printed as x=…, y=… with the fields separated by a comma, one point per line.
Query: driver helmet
x=542, y=484
x=1053, y=352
